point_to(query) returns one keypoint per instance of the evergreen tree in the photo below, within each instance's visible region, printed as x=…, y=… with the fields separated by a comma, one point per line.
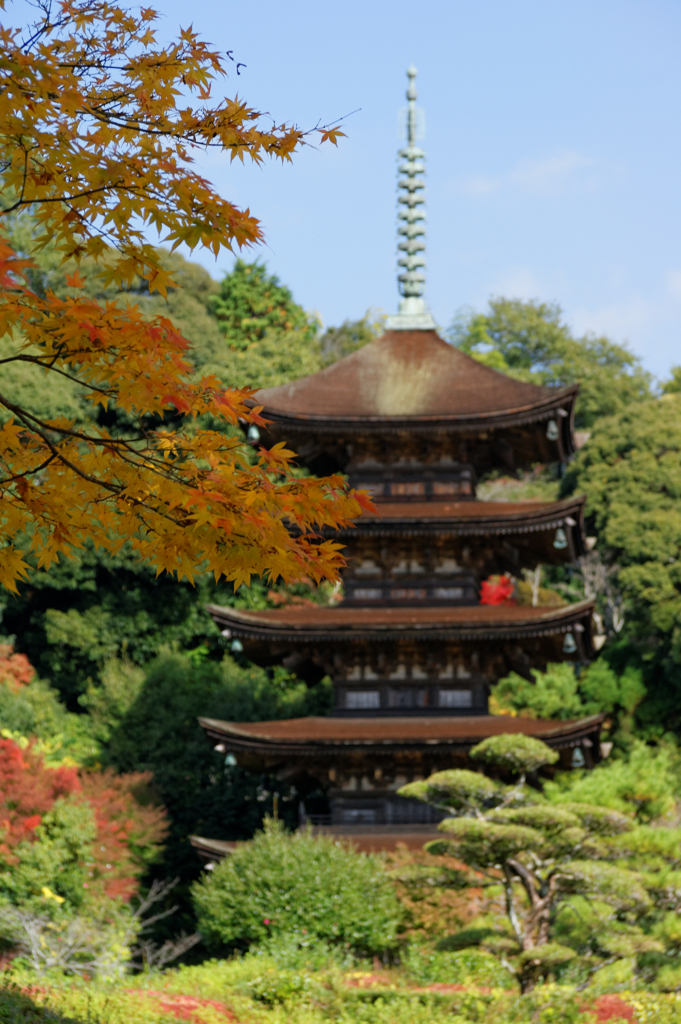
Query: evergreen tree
x=582, y=885
x=631, y=473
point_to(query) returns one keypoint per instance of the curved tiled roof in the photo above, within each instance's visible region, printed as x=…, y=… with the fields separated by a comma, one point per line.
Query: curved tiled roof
x=313, y=733
x=418, y=622
x=464, y=517
x=408, y=376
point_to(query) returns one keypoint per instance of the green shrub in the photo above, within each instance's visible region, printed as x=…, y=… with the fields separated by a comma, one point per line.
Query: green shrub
x=278, y=985
x=281, y=883
x=293, y=951
x=35, y=710
x=560, y=694
x=460, y=967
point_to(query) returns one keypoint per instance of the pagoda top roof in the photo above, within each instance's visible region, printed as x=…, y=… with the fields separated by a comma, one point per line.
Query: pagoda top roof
x=313, y=734
x=465, y=622
x=409, y=376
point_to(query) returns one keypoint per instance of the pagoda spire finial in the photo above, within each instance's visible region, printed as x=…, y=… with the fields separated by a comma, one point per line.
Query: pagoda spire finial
x=413, y=313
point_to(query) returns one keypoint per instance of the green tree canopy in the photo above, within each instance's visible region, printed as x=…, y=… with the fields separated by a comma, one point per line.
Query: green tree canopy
x=673, y=385
x=265, y=337
x=631, y=473
x=530, y=341
x=250, y=303
x=563, y=693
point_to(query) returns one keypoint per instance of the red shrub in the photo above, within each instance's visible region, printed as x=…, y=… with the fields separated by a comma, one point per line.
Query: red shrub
x=610, y=1007
x=129, y=826
x=15, y=669
x=27, y=791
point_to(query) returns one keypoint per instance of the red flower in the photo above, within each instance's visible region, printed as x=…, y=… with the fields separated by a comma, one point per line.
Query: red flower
x=497, y=590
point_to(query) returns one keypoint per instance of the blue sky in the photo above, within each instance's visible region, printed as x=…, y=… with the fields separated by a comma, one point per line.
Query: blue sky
x=553, y=151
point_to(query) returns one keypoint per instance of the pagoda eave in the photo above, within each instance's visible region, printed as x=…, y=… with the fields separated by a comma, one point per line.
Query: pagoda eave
x=470, y=518
x=477, y=622
x=561, y=403
x=329, y=738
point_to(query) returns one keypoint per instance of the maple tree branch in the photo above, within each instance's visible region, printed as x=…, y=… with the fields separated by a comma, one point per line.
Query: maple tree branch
x=38, y=361
x=160, y=468
x=28, y=472
x=66, y=200
x=122, y=446
x=75, y=147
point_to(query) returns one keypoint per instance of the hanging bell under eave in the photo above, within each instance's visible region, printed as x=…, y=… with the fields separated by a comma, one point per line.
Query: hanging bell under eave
x=560, y=541
x=552, y=430
x=578, y=758
x=237, y=647
x=253, y=433
x=569, y=645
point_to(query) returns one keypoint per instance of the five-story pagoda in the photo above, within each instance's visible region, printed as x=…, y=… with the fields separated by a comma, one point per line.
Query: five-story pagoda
x=411, y=650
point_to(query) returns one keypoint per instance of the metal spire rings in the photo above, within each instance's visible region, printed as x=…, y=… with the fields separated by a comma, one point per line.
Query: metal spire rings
x=413, y=314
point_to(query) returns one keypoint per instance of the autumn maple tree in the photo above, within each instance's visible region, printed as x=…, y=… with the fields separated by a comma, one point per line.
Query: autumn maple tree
x=99, y=122
x=71, y=830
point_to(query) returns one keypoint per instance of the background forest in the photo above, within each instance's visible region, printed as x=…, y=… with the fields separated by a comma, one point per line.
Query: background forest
x=109, y=665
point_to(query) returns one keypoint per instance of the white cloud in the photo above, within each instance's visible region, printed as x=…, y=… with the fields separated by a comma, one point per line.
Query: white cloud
x=517, y=282
x=619, y=320
x=479, y=186
x=673, y=278
x=548, y=176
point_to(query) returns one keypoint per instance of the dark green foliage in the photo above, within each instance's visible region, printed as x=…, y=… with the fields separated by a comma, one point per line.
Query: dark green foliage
x=528, y=340
x=95, y=607
x=281, y=883
x=631, y=473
